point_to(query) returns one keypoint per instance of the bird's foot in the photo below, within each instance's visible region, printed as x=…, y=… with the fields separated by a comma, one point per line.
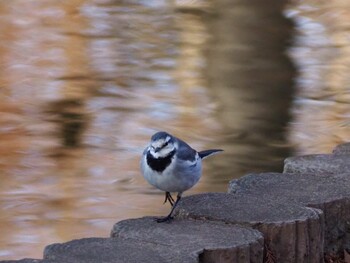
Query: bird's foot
x=168, y=197
x=164, y=219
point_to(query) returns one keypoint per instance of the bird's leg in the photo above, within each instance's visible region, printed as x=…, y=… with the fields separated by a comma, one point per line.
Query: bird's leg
x=169, y=198
x=169, y=217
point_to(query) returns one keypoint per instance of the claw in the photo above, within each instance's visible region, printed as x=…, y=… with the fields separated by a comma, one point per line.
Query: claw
x=164, y=219
x=169, y=198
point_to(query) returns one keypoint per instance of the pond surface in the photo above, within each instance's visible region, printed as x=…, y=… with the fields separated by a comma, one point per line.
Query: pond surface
x=85, y=83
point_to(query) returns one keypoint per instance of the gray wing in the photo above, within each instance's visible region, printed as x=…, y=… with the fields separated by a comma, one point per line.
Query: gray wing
x=185, y=152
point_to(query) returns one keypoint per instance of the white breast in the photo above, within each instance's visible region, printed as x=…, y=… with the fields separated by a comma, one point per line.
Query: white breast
x=179, y=176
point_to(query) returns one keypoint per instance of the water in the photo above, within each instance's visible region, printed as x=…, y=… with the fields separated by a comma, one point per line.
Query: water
x=321, y=107
x=85, y=83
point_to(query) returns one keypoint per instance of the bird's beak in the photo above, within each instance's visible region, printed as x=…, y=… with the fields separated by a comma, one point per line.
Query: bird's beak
x=157, y=149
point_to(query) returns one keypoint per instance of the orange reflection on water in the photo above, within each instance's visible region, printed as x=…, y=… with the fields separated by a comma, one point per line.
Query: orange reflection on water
x=322, y=53
x=84, y=84
x=80, y=98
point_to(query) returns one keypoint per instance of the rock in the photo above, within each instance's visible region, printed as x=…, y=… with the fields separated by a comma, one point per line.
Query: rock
x=194, y=241
x=342, y=149
x=318, y=163
x=104, y=250
x=144, y=240
x=26, y=260
x=292, y=233
x=330, y=193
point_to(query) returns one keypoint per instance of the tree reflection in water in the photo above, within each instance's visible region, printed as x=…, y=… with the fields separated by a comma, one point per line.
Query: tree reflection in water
x=85, y=83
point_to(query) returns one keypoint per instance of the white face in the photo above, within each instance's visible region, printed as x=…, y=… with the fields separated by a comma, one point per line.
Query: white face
x=161, y=148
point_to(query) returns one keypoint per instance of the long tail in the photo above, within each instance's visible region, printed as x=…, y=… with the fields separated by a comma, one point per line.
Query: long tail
x=206, y=153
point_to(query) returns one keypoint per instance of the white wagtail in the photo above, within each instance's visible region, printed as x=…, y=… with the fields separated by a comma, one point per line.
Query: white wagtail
x=171, y=165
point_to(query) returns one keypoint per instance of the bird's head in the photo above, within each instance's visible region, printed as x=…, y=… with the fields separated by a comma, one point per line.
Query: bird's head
x=162, y=144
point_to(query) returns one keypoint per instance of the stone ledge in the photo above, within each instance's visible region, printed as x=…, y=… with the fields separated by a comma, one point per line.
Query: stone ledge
x=292, y=233
x=195, y=241
x=338, y=162
x=144, y=240
x=26, y=260
x=342, y=149
x=290, y=217
x=327, y=192
x=102, y=250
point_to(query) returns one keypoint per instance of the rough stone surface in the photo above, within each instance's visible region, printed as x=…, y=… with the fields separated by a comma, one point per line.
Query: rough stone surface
x=318, y=163
x=144, y=240
x=104, y=250
x=293, y=233
x=195, y=241
x=328, y=192
x=26, y=260
x=342, y=149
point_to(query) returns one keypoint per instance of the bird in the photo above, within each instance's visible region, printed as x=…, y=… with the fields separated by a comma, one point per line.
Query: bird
x=171, y=165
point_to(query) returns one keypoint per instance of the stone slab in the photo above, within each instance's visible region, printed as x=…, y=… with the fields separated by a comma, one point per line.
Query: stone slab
x=318, y=163
x=144, y=240
x=195, y=241
x=342, y=149
x=293, y=233
x=104, y=250
x=328, y=192
x=338, y=162
x=26, y=260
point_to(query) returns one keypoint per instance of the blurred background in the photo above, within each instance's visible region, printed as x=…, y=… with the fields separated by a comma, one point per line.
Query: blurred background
x=85, y=83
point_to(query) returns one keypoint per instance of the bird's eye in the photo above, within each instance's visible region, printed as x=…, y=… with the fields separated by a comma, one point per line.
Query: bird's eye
x=165, y=144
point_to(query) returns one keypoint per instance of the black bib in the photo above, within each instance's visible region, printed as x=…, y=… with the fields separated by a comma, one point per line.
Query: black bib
x=160, y=164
